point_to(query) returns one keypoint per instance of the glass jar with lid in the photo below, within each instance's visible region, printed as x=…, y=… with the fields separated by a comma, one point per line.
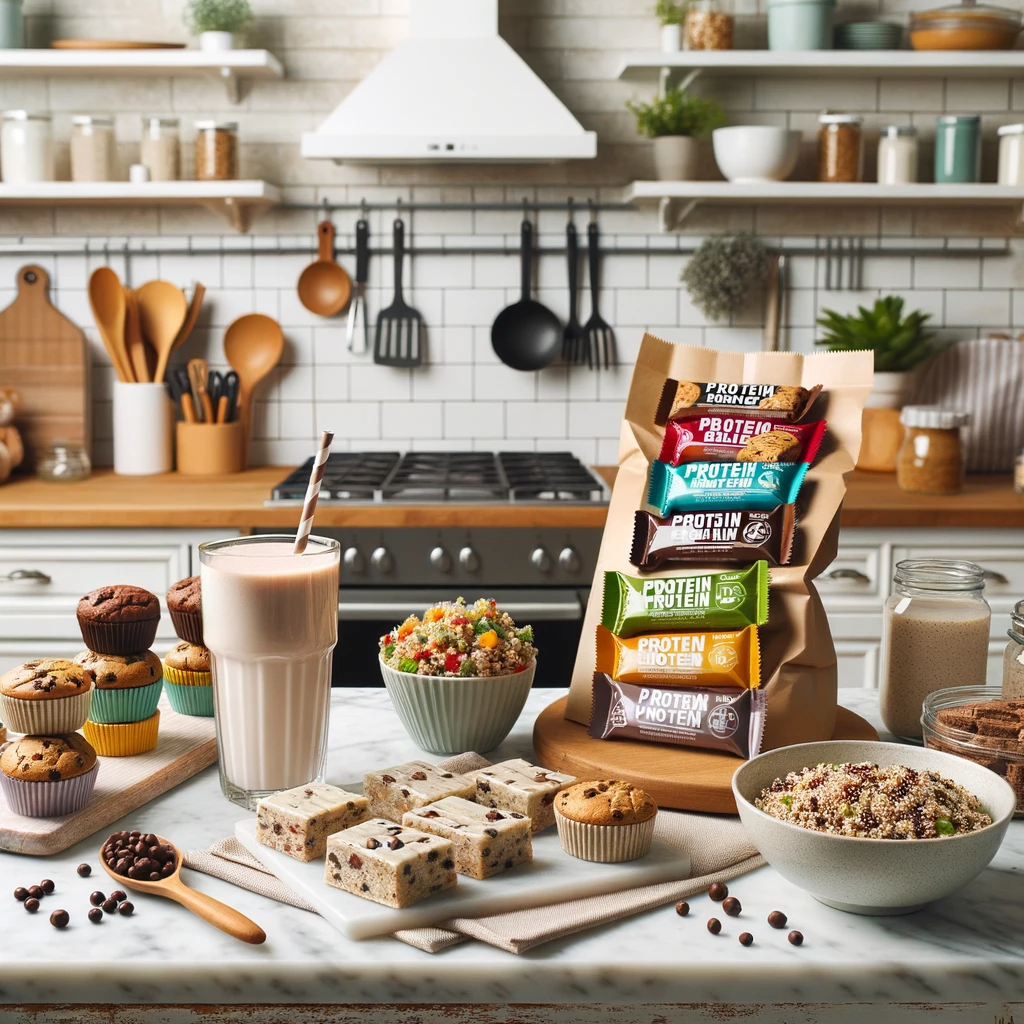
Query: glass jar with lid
x=1011, y=154
x=63, y=462
x=92, y=148
x=931, y=458
x=957, y=149
x=708, y=26
x=840, y=147
x=935, y=630
x=26, y=147
x=160, y=149
x=897, y=155
x=216, y=150
x=965, y=26
x=1013, y=656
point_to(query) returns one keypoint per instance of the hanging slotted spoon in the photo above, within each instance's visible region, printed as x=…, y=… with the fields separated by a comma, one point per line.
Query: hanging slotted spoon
x=399, y=340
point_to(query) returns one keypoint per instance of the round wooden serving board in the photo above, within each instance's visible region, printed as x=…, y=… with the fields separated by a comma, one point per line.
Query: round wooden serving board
x=677, y=777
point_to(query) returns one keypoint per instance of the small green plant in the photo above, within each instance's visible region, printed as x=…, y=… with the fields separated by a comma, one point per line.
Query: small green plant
x=217, y=16
x=899, y=342
x=723, y=272
x=677, y=113
x=670, y=12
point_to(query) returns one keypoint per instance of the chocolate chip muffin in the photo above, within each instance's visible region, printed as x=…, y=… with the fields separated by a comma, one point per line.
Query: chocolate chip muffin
x=118, y=620
x=185, y=603
x=128, y=686
x=48, y=776
x=186, y=657
x=49, y=695
x=188, y=680
x=605, y=820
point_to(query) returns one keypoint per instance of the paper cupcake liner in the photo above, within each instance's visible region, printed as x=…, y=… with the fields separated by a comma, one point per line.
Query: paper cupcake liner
x=183, y=677
x=119, y=637
x=606, y=844
x=189, y=627
x=449, y=715
x=55, y=717
x=123, y=740
x=190, y=700
x=130, y=704
x=49, y=799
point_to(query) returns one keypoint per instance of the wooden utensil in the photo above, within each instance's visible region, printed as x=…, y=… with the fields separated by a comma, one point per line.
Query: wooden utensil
x=220, y=915
x=163, y=310
x=192, y=316
x=108, y=304
x=253, y=345
x=198, y=372
x=399, y=327
x=324, y=287
x=43, y=357
x=133, y=340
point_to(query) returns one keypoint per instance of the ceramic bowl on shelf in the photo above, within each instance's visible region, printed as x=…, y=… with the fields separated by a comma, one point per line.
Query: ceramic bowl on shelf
x=750, y=154
x=872, y=876
x=868, y=35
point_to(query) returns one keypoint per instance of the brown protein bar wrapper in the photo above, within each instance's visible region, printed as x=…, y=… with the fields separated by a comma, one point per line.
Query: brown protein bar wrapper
x=788, y=402
x=713, y=536
x=726, y=658
x=712, y=718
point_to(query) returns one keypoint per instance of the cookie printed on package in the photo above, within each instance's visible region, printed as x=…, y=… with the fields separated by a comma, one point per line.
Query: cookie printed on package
x=738, y=438
x=775, y=401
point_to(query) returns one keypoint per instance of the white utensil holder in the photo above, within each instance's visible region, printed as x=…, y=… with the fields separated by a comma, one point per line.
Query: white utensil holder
x=143, y=429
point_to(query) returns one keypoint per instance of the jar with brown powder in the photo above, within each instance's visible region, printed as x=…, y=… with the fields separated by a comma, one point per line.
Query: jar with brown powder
x=707, y=26
x=840, y=147
x=931, y=458
x=216, y=150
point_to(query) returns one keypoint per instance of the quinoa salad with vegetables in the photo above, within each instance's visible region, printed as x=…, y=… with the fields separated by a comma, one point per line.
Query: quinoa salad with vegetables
x=456, y=639
x=874, y=803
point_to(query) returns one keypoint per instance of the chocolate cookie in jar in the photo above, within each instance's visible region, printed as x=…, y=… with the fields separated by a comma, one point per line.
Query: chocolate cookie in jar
x=1013, y=656
x=931, y=459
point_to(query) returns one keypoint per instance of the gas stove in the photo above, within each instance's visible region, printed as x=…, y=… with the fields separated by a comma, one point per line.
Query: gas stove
x=502, y=477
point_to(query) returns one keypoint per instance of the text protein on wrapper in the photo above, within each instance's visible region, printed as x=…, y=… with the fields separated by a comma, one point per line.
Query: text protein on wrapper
x=742, y=485
x=786, y=402
x=740, y=438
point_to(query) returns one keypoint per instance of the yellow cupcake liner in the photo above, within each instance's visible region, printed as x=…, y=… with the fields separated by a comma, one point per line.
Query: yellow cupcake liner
x=182, y=677
x=123, y=740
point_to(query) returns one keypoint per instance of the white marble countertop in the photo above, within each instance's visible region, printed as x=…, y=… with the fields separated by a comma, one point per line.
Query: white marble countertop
x=969, y=948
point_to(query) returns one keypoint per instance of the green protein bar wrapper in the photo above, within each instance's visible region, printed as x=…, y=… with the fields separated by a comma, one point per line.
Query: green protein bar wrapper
x=749, y=485
x=706, y=600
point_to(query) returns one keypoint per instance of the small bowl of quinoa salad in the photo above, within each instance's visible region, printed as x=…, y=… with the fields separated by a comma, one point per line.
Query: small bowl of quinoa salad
x=870, y=827
x=458, y=675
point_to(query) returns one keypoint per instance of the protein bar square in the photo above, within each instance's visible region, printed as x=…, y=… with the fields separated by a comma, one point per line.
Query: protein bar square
x=298, y=821
x=393, y=791
x=521, y=787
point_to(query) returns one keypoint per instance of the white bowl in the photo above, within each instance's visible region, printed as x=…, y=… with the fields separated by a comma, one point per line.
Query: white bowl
x=748, y=154
x=872, y=876
x=455, y=714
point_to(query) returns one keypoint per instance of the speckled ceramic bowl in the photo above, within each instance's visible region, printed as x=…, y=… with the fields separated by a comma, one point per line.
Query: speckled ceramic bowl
x=872, y=876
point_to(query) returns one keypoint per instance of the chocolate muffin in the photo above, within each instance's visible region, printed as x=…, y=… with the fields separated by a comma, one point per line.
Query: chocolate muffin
x=119, y=620
x=185, y=603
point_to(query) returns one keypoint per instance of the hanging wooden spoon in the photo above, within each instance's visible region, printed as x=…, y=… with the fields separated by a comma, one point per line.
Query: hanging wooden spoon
x=253, y=345
x=324, y=286
x=107, y=301
x=220, y=915
x=163, y=309
x=192, y=316
x=133, y=340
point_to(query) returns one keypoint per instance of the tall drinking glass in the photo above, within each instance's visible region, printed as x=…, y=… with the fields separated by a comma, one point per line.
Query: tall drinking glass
x=270, y=620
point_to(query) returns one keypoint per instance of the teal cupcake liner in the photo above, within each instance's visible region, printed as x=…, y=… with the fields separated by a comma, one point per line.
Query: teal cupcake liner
x=190, y=700
x=131, y=704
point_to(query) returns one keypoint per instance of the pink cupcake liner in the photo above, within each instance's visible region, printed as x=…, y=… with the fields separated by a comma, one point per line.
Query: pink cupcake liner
x=49, y=799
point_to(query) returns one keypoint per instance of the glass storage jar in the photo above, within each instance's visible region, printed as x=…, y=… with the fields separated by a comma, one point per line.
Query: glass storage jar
x=26, y=147
x=216, y=150
x=840, y=147
x=931, y=458
x=92, y=148
x=160, y=150
x=63, y=462
x=1013, y=656
x=957, y=149
x=935, y=629
x=1011, y=155
x=897, y=155
x=708, y=26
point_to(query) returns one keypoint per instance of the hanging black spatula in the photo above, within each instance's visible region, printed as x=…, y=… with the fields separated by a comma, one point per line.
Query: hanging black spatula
x=399, y=340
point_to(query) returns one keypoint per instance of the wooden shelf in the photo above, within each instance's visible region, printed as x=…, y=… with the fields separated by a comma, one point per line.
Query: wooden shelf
x=238, y=201
x=231, y=67
x=677, y=199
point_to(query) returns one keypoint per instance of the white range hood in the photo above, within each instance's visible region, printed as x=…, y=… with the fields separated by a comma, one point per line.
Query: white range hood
x=453, y=91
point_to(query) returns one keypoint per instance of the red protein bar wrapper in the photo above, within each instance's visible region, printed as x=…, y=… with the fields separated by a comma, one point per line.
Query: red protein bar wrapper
x=788, y=402
x=713, y=718
x=724, y=437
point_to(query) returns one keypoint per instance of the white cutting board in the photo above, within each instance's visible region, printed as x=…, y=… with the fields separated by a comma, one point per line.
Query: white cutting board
x=551, y=877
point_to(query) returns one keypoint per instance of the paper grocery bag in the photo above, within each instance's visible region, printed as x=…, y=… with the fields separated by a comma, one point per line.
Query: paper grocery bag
x=797, y=654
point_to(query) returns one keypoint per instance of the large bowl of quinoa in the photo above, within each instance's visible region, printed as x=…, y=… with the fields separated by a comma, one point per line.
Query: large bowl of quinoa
x=458, y=675
x=870, y=827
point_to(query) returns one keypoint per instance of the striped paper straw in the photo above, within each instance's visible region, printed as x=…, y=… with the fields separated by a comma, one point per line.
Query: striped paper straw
x=313, y=492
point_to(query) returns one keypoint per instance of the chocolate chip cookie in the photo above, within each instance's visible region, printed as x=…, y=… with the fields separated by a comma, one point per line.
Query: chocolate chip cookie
x=788, y=397
x=772, y=446
x=686, y=394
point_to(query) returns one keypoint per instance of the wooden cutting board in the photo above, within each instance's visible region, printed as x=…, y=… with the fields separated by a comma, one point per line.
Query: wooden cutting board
x=43, y=356
x=676, y=777
x=185, y=746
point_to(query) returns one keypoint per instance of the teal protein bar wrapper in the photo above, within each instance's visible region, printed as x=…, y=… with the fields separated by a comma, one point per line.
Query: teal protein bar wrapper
x=748, y=485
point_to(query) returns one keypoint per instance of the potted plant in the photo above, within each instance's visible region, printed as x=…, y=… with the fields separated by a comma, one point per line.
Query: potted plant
x=900, y=344
x=676, y=121
x=723, y=274
x=671, y=14
x=217, y=22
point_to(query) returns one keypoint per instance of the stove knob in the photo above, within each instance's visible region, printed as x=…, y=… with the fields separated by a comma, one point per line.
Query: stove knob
x=540, y=559
x=569, y=560
x=355, y=563
x=440, y=559
x=382, y=561
x=469, y=559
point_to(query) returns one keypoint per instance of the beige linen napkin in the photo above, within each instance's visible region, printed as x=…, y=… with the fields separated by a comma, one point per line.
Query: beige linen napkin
x=718, y=849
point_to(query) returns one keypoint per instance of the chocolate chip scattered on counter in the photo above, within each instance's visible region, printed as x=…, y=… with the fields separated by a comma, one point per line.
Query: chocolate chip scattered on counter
x=682, y=908
x=21, y=894
x=777, y=919
x=718, y=891
x=60, y=918
x=110, y=906
x=126, y=909
x=732, y=906
x=31, y=904
x=746, y=939
x=120, y=895
x=796, y=938
x=36, y=892
x=140, y=856
x=84, y=870
x=47, y=885
x=95, y=915
x=714, y=925
x=97, y=898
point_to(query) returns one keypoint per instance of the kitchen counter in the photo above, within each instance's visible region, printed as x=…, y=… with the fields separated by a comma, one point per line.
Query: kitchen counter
x=969, y=949
x=107, y=500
